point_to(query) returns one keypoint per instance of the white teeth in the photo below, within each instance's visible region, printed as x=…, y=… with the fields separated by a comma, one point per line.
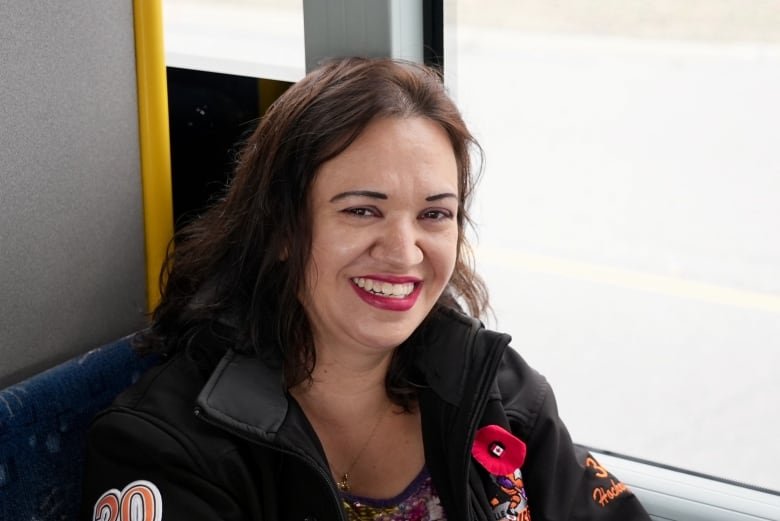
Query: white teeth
x=386, y=289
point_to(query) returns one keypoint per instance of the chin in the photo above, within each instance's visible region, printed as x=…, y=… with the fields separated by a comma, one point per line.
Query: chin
x=385, y=344
x=388, y=341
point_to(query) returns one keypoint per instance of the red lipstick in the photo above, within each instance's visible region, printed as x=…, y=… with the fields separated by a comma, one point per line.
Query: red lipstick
x=390, y=303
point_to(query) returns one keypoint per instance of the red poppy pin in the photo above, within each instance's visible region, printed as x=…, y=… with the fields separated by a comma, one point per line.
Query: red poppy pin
x=498, y=450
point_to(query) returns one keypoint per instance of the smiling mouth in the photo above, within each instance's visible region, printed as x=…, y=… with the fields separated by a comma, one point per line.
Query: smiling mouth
x=384, y=289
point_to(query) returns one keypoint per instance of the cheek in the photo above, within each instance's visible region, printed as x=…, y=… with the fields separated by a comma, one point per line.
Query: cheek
x=332, y=247
x=445, y=255
x=332, y=251
x=339, y=250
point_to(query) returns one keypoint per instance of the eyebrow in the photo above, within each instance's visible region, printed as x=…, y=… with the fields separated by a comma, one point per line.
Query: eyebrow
x=439, y=197
x=359, y=193
x=380, y=195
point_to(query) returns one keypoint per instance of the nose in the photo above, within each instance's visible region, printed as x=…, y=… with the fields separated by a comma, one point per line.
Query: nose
x=398, y=246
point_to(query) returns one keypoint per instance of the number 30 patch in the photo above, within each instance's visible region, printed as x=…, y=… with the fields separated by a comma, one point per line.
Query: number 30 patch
x=138, y=501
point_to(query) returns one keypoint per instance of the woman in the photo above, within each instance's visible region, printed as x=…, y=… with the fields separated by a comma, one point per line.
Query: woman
x=317, y=362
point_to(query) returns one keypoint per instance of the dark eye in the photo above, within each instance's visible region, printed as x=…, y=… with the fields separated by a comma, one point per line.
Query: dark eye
x=436, y=215
x=362, y=211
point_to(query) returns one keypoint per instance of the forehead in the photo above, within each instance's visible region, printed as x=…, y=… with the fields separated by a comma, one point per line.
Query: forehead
x=396, y=155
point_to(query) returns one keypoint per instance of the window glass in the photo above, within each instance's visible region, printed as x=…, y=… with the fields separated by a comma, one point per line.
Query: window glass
x=257, y=38
x=629, y=215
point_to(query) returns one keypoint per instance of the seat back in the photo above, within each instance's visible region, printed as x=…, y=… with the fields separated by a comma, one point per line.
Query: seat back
x=43, y=422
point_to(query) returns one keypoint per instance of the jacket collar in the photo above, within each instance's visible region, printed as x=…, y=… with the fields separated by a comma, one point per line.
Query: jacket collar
x=445, y=342
x=246, y=392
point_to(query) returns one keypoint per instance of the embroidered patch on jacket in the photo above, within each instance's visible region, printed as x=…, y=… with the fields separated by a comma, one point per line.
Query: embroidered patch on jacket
x=611, y=488
x=138, y=501
x=502, y=455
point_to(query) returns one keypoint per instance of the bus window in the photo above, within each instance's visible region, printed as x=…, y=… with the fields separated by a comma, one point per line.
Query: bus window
x=254, y=38
x=628, y=212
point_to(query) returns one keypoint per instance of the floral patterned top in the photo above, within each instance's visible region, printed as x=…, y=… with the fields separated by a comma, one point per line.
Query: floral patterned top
x=419, y=502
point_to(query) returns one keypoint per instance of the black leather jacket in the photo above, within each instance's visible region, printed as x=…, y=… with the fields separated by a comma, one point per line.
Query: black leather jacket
x=233, y=445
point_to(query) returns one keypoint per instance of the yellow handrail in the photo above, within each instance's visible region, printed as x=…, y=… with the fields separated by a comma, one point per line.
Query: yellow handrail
x=154, y=140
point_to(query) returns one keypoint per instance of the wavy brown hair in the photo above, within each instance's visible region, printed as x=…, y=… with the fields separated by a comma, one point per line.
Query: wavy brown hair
x=236, y=272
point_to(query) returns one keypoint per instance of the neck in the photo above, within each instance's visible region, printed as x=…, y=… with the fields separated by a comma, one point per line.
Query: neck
x=345, y=386
x=357, y=425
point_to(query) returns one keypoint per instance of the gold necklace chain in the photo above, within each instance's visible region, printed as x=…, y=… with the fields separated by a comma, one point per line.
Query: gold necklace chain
x=343, y=482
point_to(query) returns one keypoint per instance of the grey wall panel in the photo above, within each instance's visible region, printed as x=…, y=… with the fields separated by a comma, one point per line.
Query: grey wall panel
x=71, y=230
x=362, y=28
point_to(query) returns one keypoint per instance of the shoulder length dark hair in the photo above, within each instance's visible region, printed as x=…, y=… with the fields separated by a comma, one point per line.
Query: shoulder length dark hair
x=237, y=271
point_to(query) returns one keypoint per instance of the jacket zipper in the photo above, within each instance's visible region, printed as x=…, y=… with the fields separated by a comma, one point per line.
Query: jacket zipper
x=483, y=391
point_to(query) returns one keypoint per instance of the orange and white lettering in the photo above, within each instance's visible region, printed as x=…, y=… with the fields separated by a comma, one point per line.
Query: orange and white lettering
x=603, y=496
x=141, y=502
x=601, y=472
x=107, y=506
x=138, y=501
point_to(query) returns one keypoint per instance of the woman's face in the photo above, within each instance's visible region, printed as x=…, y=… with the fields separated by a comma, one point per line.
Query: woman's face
x=384, y=235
